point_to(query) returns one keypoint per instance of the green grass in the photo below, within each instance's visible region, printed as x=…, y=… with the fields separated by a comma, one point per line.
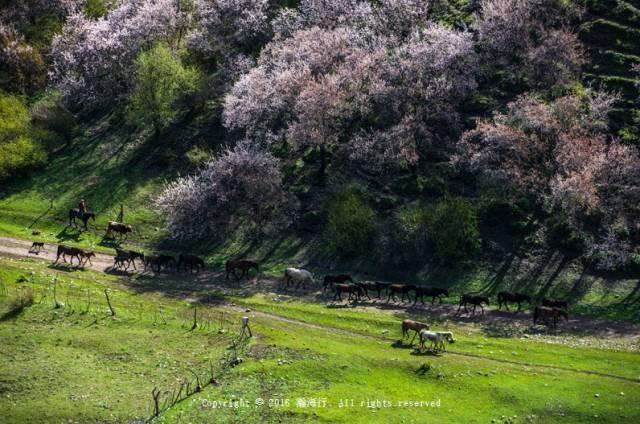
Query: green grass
x=80, y=363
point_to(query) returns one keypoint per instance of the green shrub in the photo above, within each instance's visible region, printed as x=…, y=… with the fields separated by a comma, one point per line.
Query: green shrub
x=18, y=150
x=453, y=228
x=407, y=235
x=351, y=228
x=49, y=113
x=160, y=81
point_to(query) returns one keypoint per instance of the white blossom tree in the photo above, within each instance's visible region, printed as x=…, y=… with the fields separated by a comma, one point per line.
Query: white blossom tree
x=241, y=187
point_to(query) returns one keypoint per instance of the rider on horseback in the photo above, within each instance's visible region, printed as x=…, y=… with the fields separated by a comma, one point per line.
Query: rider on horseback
x=82, y=208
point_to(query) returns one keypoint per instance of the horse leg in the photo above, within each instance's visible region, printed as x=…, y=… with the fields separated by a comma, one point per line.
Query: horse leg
x=482, y=308
x=506, y=305
x=414, y=337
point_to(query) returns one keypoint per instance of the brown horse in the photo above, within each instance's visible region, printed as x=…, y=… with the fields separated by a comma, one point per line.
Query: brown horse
x=190, y=260
x=87, y=255
x=84, y=217
x=64, y=250
x=158, y=261
x=416, y=326
x=504, y=297
x=329, y=280
x=403, y=289
x=473, y=299
x=355, y=292
x=243, y=265
x=433, y=292
x=121, y=229
x=546, y=312
x=130, y=256
x=555, y=303
x=376, y=286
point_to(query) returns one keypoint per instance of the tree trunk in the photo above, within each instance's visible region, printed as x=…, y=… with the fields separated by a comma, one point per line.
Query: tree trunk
x=323, y=163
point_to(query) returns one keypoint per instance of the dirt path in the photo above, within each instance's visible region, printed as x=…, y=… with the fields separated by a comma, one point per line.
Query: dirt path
x=187, y=284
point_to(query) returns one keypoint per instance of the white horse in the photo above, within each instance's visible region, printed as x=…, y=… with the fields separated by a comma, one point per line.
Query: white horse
x=436, y=338
x=297, y=276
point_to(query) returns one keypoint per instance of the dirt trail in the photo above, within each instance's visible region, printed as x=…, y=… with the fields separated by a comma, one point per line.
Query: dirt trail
x=187, y=284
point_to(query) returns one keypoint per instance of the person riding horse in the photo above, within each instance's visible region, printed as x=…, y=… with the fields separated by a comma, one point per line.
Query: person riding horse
x=82, y=208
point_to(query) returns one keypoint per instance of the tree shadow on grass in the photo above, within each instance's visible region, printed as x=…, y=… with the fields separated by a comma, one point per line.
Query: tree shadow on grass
x=66, y=235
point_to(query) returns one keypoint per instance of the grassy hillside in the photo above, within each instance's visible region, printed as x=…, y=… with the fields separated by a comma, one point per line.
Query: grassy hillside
x=611, y=34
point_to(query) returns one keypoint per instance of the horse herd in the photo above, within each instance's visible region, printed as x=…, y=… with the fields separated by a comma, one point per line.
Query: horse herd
x=549, y=311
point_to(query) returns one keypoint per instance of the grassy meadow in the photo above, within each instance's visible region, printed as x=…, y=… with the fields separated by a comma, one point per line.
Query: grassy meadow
x=309, y=360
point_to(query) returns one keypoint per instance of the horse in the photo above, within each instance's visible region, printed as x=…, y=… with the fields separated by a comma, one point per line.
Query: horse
x=555, y=303
x=243, y=265
x=473, y=299
x=504, y=297
x=352, y=289
x=120, y=262
x=159, y=261
x=121, y=229
x=437, y=339
x=36, y=247
x=378, y=286
x=403, y=289
x=130, y=255
x=84, y=217
x=416, y=326
x=430, y=291
x=546, y=312
x=299, y=276
x=330, y=279
x=63, y=250
x=87, y=255
x=191, y=260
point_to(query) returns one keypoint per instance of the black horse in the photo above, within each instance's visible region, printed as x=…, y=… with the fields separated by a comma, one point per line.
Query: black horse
x=504, y=297
x=433, y=292
x=84, y=217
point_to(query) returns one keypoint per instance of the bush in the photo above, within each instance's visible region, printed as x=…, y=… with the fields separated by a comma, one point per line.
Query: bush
x=453, y=228
x=351, y=226
x=160, y=80
x=22, y=68
x=407, y=236
x=49, y=112
x=17, y=149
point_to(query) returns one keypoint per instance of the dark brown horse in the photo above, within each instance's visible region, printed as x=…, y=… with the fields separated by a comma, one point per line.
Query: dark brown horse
x=192, y=261
x=546, y=312
x=377, y=286
x=403, y=289
x=121, y=229
x=159, y=261
x=355, y=292
x=64, y=250
x=504, y=297
x=433, y=292
x=555, y=303
x=475, y=300
x=329, y=280
x=243, y=265
x=130, y=256
x=75, y=213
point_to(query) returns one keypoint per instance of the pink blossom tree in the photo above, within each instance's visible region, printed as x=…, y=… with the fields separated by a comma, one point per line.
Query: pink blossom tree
x=93, y=59
x=243, y=187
